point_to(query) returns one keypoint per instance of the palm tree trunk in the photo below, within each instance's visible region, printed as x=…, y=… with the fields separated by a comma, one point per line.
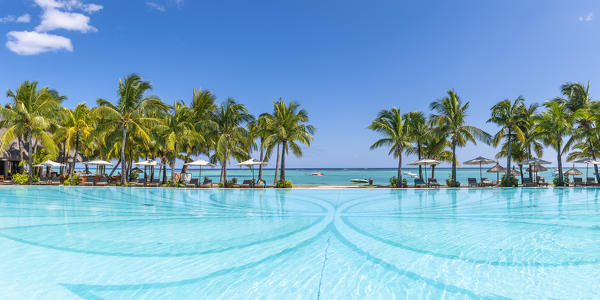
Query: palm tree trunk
x=530, y=169
x=559, y=159
x=432, y=172
x=276, y=165
x=453, y=160
x=115, y=168
x=124, y=128
x=260, y=167
x=174, y=160
x=508, y=162
x=399, y=181
x=419, y=158
x=76, y=151
x=283, y=147
x=225, y=162
x=521, y=169
x=29, y=156
x=593, y=154
x=186, y=160
x=164, y=169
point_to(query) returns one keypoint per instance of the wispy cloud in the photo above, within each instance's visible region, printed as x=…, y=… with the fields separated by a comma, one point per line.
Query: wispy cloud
x=156, y=6
x=31, y=42
x=26, y=18
x=72, y=15
x=587, y=18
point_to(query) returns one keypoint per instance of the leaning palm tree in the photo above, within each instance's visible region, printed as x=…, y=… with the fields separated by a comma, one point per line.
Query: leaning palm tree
x=230, y=133
x=419, y=132
x=132, y=114
x=395, y=132
x=289, y=126
x=553, y=125
x=29, y=116
x=509, y=116
x=449, y=118
x=436, y=147
x=75, y=127
x=261, y=130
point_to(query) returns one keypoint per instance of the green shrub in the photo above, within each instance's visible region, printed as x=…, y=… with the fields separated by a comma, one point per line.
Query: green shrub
x=20, y=178
x=565, y=180
x=72, y=180
x=134, y=176
x=174, y=183
x=513, y=181
x=452, y=183
x=286, y=184
x=394, y=181
x=228, y=184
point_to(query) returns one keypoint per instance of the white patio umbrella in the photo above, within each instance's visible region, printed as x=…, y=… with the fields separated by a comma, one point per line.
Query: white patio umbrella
x=587, y=162
x=535, y=162
x=200, y=163
x=97, y=162
x=425, y=162
x=148, y=163
x=251, y=163
x=480, y=160
x=49, y=163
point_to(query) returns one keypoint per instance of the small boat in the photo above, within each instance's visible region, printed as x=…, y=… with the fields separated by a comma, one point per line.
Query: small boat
x=411, y=174
x=360, y=180
x=317, y=174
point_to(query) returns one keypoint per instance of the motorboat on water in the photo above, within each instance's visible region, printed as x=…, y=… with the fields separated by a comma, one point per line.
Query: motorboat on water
x=316, y=174
x=411, y=174
x=356, y=180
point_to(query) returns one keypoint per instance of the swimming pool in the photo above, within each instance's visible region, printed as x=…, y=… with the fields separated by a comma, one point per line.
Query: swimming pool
x=126, y=243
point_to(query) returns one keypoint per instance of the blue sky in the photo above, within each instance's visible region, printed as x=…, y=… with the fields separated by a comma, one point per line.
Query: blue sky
x=342, y=60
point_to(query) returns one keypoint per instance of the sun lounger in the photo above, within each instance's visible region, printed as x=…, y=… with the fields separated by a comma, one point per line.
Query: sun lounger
x=55, y=181
x=102, y=181
x=192, y=184
x=527, y=182
x=472, y=182
x=486, y=182
x=433, y=182
x=541, y=181
x=246, y=184
x=578, y=181
x=590, y=181
x=154, y=183
x=141, y=182
x=89, y=181
x=420, y=183
x=206, y=184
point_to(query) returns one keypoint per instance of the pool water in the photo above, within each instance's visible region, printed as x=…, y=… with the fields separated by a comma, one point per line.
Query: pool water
x=149, y=243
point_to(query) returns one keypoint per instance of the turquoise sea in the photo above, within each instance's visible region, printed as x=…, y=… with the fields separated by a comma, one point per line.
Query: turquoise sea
x=342, y=176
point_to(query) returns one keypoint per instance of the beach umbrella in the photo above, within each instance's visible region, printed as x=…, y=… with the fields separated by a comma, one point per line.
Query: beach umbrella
x=573, y=172
x=535, y=162
x=148, y=163
x=426, y=162
x=97, y=162
x=587, y=161
x=480, y=160
x=514, y=172
x=251, y=163
x=537, y=168
x=497, y=169
x=137, y=170
x=200, y=163
x=49, y=163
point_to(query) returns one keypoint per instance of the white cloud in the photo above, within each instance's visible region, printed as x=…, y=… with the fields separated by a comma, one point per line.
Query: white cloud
x=155, y=6
x=53, y=19
x=69, y=5
x=587, y=18
x=31, y=42
x=11, y=18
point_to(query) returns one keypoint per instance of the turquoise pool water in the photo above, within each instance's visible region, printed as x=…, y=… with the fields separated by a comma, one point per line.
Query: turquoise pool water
x=110, y=243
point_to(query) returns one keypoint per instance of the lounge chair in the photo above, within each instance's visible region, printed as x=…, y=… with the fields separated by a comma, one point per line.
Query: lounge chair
x=206, y=184
x=578, y=181
x=433, y=182
x=89, y=181
x=192, y=184
x=102, y=181
x=541, y=181
x=55, y=181
x=141, y=182
x=420, y=183
x=154, y=183
x=472, y=181
x=486, y=182
x=246, y=184
x=527, y=182
x=590, y=181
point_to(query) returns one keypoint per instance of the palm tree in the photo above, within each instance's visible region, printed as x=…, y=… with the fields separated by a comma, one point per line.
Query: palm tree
x=29, y=116
x=531, y=143
x=553, y=125
x=178, y=129
x=229, y=119
x=392, y=126
x=436, y=147
x=508, y=115
x=133, y=113
x=450, y=122
x=289, y=125
x=261, y=130
x=419, y=132
x=75, y=126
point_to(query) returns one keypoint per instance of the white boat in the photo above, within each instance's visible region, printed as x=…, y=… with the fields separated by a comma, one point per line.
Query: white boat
x=317, y=174
x=359, y=180
x=411, y=174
